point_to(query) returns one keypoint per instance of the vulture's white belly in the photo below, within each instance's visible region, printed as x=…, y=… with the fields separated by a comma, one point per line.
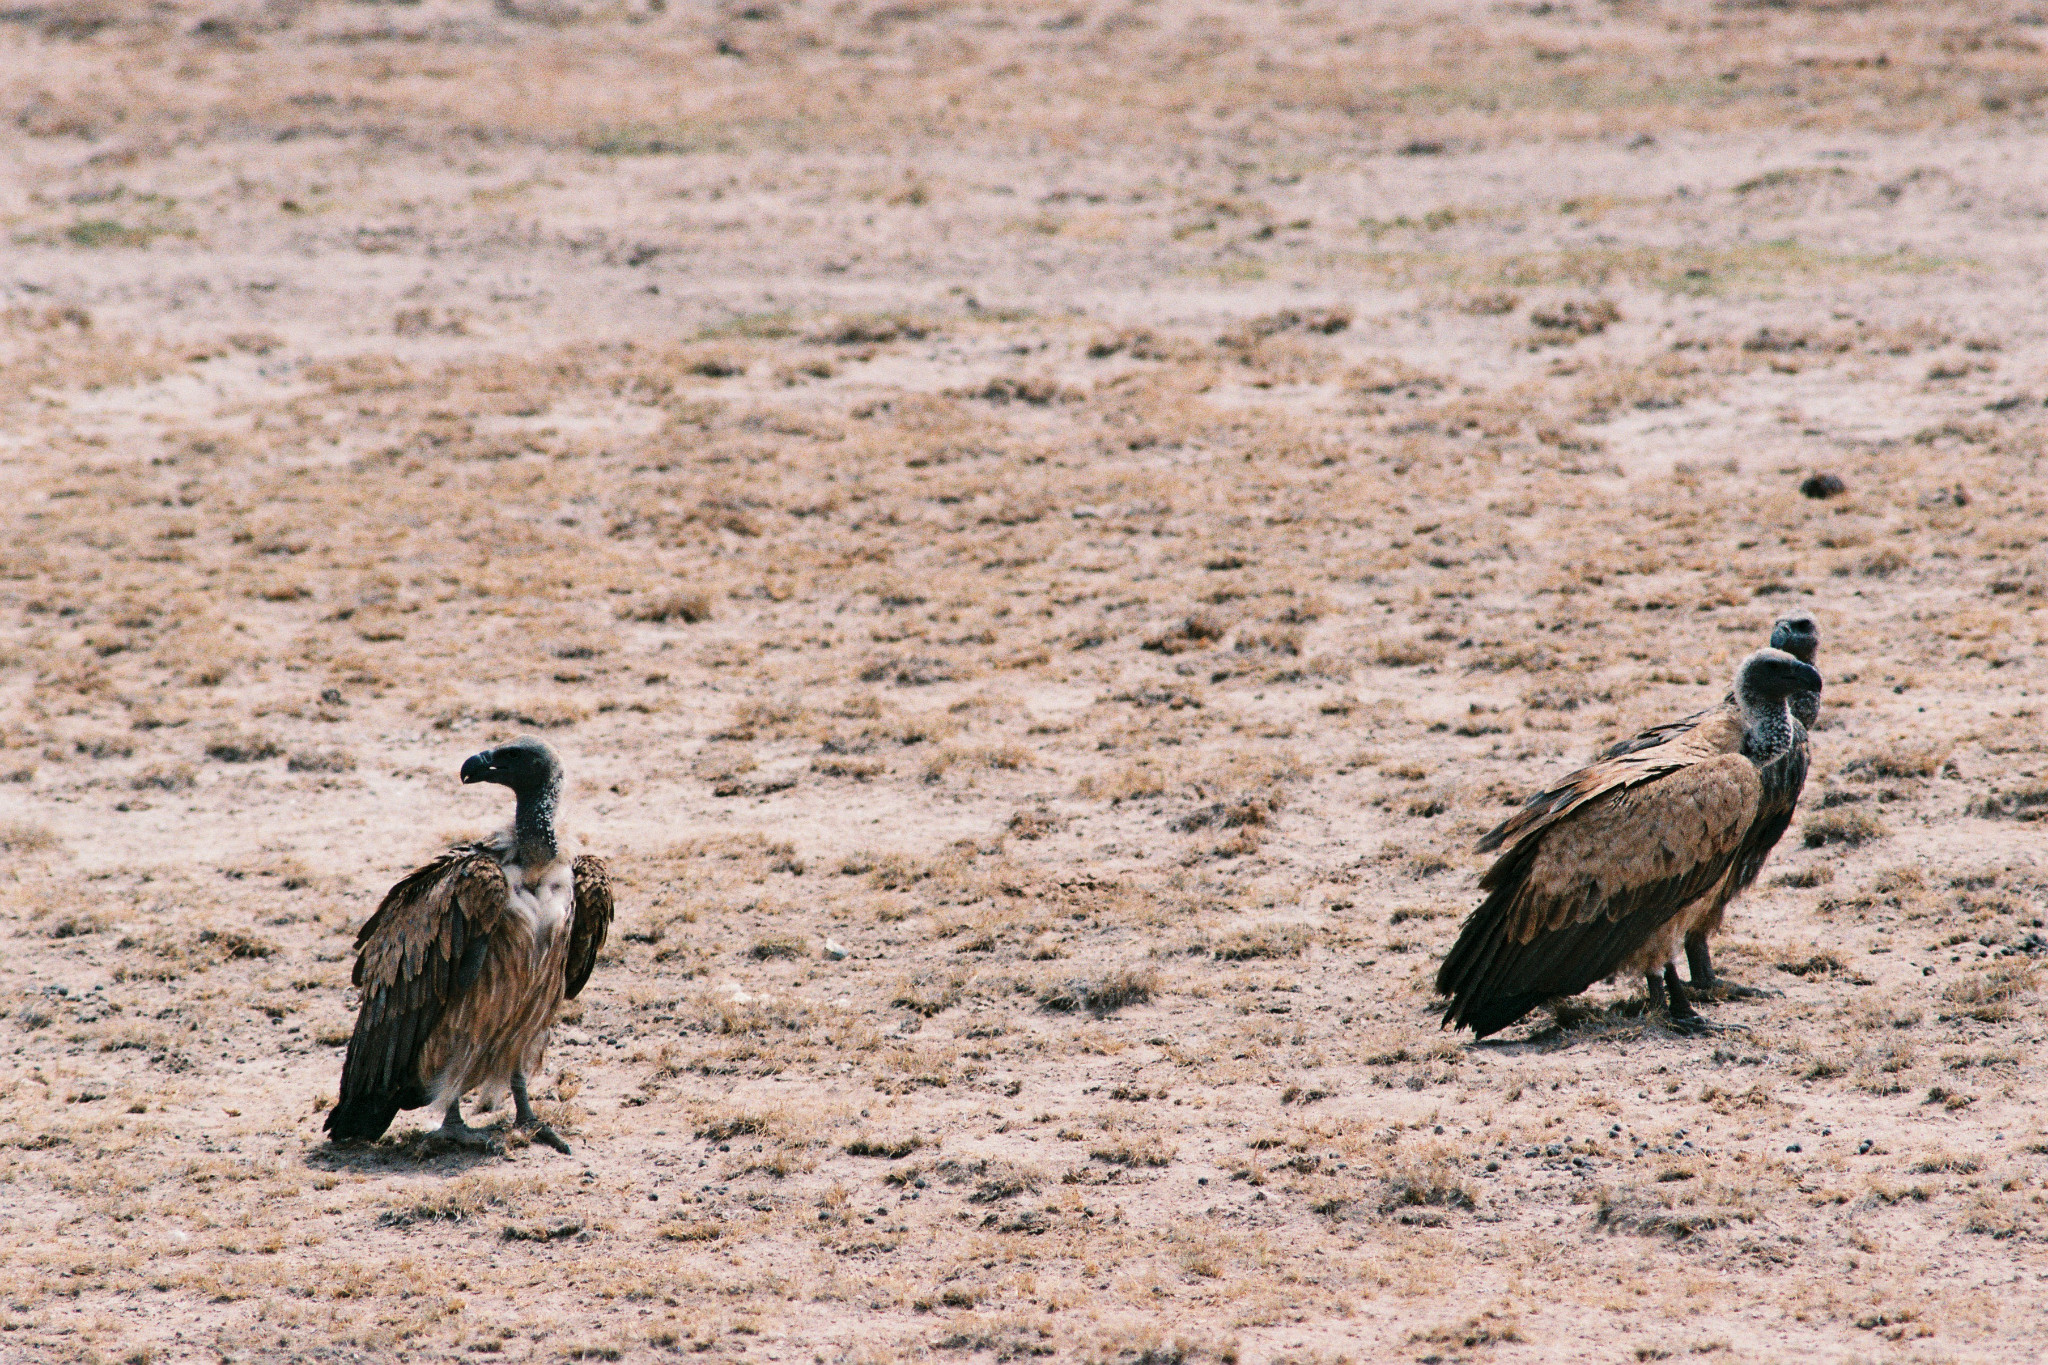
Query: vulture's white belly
x=500, y=1026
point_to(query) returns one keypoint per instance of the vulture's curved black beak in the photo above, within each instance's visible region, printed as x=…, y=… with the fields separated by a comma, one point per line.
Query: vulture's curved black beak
x=1807, y=674
x=477, y=767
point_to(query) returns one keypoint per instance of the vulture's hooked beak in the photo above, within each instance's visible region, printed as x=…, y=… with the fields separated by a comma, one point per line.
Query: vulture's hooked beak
x=1808, y=675
x=477, y=768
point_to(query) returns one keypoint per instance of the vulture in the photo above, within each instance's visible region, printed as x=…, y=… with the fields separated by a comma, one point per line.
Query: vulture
x=466, y=961
x=1799, y=636
x=1612, y=868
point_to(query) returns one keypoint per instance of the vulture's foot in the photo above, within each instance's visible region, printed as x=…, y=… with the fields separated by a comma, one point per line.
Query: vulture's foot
x=528, y=1122
x=1692, y=1025
x=1724, y=989
x=1682, y=1018
x=474, y=1139
x=1706, y=985
x=454, y=1130
x=1699, y=1026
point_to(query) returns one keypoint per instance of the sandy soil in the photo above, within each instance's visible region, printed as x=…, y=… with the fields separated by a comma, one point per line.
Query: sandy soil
x=1094, y=508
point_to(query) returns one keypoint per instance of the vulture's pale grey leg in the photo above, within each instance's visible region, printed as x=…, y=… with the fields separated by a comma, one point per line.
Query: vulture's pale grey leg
x=525, y=1119
x=1705, y=985
x=454, y=1130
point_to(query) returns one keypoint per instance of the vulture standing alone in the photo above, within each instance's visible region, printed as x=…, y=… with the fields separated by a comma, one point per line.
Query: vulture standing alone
x=1612, y=868
x=1799, y=636
x=466, y=961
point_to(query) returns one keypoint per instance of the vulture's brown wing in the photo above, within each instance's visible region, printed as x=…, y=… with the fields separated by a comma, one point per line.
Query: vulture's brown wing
x=593, y=920
x=1574, y=897
x=423, y=947
x=1783, y=778
x=1658, y=735
x=1717, y=730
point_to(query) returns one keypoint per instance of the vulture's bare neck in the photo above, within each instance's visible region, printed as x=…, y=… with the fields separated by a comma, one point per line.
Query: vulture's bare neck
x=533, y=826
x=1768, y=727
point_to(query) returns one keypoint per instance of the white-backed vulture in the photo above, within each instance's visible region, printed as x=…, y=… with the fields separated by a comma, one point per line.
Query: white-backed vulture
x=1600, y=870
x=1799, y=636
x=466, y=961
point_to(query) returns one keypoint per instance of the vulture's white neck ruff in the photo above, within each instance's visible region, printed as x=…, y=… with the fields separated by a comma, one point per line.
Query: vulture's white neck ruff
x=543, y=888
x=545, y=902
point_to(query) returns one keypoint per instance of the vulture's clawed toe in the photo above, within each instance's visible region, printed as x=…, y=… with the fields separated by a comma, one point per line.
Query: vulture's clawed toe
x=465, y=965
x=1699, y=1026
x=468, y=1138
x=476, y=1140
x=1733, y=990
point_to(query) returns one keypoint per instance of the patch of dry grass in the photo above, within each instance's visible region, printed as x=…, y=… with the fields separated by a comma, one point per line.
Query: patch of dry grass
x=1850, y=827
x=1118, y=989
x=1043, y=534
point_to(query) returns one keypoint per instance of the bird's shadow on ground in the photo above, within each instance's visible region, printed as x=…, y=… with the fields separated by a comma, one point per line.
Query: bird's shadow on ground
x=1574, y=1025
x=422, y=1151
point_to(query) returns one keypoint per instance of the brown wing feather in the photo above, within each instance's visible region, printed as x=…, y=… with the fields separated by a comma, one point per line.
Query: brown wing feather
x=413, y=957
x=1670, y=730
x=1587, y=884
x=593, y=920
x=1716, y=732
x=1783, y=778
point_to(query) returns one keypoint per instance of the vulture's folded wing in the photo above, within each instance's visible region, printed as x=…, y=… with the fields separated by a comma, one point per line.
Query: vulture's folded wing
x=1571, y=900
x=593, y=921
x=1783, y=779
x=1658, y=735
x=423, y=947
x=1717, y=730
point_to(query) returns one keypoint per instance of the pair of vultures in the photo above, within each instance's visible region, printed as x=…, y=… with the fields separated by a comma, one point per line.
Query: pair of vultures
x=1614, y=869
x=1628, y=859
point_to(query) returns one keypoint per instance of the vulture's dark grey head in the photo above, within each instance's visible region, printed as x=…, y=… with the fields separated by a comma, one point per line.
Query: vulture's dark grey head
x=1771, y=675
x=527, y=766
x=1797, y=635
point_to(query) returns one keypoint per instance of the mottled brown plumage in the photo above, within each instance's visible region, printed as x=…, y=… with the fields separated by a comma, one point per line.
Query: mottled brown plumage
x=1598, y=871
x=1797, y=634
x=593, y=921
x=467, y=959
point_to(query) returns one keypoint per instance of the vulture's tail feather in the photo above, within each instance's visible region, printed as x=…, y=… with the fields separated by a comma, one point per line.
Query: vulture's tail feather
x=364, y=1118
x=1491, y=1016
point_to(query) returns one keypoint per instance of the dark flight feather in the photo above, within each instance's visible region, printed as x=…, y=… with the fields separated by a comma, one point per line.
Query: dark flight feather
x=410, y=958
x=593, y=920
x=1594, y=867
x=1783, y=781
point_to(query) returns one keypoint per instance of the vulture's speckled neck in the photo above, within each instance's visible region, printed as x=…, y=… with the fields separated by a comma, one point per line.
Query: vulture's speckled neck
x=1762, y=691
x=1769, y=727
x=533, y=825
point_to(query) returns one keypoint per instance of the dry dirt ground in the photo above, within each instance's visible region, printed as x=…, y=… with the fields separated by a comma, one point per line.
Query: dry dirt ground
x=1092, y=507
